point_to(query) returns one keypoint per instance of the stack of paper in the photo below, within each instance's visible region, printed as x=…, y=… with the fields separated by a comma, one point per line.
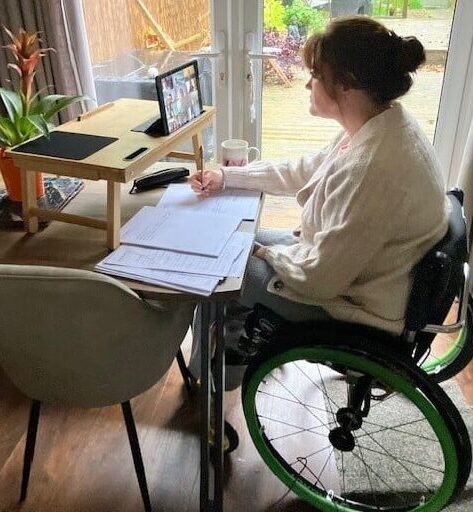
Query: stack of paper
x=186, y=242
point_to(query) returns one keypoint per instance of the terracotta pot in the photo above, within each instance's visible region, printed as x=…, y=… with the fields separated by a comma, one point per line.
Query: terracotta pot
x=12, y=178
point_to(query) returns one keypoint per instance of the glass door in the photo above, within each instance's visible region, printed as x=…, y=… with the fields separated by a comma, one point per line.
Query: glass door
x=132, y=41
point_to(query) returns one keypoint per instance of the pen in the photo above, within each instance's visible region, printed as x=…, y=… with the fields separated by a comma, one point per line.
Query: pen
x=90, y=113
x=201, y=164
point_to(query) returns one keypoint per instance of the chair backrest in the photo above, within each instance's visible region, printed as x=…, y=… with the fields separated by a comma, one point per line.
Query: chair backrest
x=439, y=276
x=81, y=338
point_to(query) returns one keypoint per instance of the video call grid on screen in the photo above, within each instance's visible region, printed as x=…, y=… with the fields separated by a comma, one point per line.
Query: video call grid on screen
x=179, y=96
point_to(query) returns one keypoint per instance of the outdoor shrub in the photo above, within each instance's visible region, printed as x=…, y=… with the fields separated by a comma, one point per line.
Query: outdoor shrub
x=274, y=15
x=305, y=16
x=415, y=4
x=381, y=8
x=290, y=57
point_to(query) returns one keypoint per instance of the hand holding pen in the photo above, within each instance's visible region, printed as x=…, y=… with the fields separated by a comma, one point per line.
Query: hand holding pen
x=205, y=182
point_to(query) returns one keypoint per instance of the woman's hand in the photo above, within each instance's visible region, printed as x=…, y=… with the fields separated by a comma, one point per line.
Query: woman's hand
x=260, y=252
x=212, y=182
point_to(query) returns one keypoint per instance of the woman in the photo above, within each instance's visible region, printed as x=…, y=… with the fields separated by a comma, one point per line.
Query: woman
x=373, y=201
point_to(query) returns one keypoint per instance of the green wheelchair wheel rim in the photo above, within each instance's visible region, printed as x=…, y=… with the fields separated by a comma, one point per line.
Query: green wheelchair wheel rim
x=320, y=353
x=438, y=363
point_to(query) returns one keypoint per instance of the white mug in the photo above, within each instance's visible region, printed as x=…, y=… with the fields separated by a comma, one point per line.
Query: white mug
x=235, y=152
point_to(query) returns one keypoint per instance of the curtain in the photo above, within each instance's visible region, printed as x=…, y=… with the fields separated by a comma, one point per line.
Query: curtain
x=61, y=24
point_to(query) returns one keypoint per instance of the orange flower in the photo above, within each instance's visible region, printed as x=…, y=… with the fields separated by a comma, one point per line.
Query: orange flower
x=27, y=56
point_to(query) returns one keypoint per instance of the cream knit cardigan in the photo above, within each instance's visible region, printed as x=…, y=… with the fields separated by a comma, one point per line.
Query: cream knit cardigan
x=372, y=206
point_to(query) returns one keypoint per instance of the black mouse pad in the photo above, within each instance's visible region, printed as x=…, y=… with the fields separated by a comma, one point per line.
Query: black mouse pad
x=73, y=146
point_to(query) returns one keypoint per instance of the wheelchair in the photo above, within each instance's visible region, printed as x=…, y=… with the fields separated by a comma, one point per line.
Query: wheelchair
x=351, y=418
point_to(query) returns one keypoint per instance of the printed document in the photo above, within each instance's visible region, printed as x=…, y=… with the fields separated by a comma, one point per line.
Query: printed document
x=201, y=285
x=158, y=259
x=243, y=203
x=239, y=265
x=179, y=230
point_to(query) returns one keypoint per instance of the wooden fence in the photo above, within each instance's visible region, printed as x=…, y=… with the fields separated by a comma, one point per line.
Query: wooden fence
x=117, y=26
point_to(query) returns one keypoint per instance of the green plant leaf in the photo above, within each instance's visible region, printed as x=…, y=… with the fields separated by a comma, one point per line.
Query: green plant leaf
x=8, y=131
x=46, y=103
x=36, y=96
x=12, y=102
x=26, y=128
x=40, y=123
x=54, y=103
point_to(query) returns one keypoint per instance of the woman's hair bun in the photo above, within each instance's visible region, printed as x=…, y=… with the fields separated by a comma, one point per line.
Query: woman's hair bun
x=412, y=53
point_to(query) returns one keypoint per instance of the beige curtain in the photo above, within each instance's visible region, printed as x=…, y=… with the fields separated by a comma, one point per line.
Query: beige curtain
x=62, y=27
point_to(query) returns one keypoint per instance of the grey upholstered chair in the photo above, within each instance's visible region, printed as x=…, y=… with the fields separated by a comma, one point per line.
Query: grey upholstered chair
x=83, y=339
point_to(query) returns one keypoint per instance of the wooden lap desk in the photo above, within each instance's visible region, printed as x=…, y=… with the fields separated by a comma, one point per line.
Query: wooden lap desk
x=73, y=246
x=114, y=119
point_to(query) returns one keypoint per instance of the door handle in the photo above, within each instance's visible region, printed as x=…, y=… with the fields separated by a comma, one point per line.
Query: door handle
x=219, y=56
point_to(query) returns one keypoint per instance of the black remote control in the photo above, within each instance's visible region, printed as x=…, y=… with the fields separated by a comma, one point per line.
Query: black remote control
x=159, y=178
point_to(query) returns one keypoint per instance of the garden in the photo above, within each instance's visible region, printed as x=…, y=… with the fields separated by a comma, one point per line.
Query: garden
x=287, y=24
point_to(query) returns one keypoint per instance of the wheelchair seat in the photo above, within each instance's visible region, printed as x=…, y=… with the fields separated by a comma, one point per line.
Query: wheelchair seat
x=313, y=406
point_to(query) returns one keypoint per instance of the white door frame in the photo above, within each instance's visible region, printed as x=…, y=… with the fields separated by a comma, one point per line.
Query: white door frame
x=238, y=116
x=456, y=100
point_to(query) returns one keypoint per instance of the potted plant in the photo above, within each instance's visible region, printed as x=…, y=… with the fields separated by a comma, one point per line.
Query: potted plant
x=27, y=114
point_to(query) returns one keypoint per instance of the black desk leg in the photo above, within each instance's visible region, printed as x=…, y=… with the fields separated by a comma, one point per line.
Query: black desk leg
x=219, y=380
x=205, y=470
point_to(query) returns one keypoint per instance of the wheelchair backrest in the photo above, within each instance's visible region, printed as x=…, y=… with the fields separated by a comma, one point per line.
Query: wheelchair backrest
x=439, y=275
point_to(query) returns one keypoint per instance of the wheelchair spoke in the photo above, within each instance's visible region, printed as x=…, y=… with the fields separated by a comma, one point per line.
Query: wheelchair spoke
x=324, y=390
x=369, y=478
x=380, y=478
x=293, y=395
x=404, y=460
x=306, y=457
x=343, y=475
x=387, y=454
x=272, y=395
x=319, y=478
x=299, y=431
x=396, y=428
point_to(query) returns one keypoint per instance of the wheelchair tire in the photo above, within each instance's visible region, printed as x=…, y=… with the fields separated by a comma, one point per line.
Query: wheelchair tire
x=420, y=461
x=455, y=356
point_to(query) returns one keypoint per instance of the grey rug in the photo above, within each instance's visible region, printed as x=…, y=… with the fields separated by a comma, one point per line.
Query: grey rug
x=58, y=192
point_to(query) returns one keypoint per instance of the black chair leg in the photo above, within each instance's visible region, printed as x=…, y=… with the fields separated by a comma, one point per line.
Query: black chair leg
x=186, y=374
x=29, y=447
x=136, y=453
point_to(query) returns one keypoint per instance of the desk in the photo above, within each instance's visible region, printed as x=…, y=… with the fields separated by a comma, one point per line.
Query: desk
x=76, y=247
x=114, y=119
